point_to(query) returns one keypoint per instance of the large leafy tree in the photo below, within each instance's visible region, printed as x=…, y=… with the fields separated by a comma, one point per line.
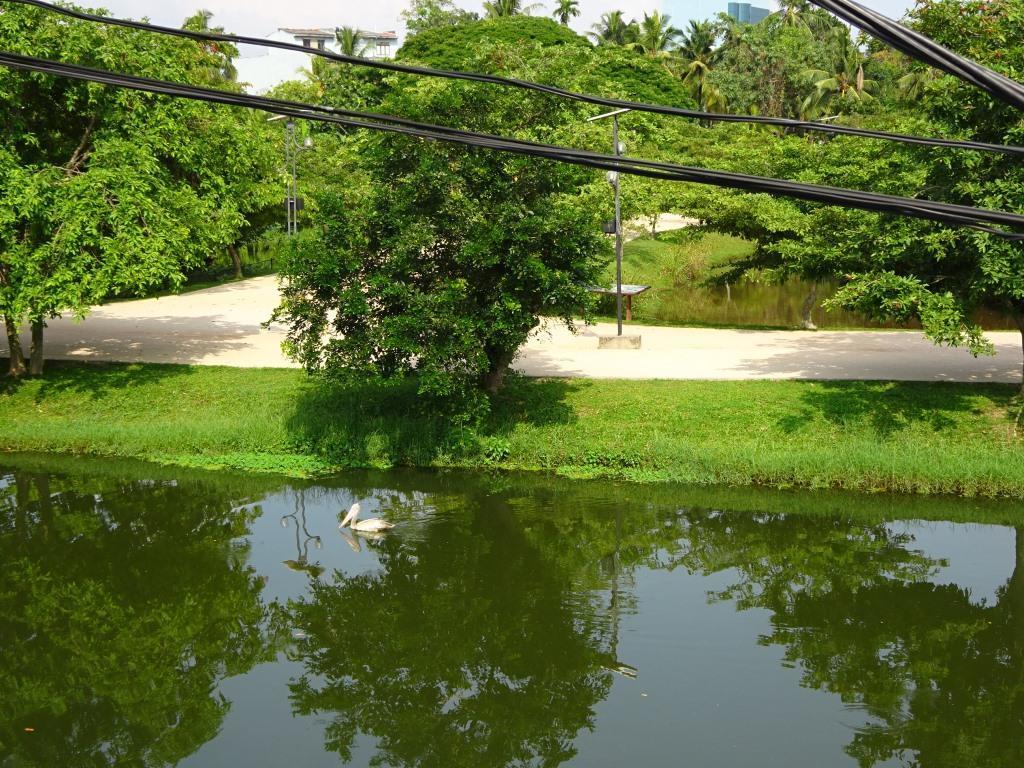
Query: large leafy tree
x=940, y=276
x=422, y=15
x=109, y=191
x=443, y=260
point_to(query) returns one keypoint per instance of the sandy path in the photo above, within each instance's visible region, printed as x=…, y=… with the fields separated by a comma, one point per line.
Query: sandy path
x=222, y=326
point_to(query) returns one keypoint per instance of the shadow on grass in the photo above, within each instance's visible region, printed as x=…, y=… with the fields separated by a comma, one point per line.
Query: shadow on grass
x=385, y=423
x=94, y=380
x=890, y=407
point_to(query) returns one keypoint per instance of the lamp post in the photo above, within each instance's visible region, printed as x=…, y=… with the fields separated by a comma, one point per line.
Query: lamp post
x=613, y=179
x=292, y=148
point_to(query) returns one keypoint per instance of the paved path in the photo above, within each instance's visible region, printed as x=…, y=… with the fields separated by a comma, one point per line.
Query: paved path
x=222, y=326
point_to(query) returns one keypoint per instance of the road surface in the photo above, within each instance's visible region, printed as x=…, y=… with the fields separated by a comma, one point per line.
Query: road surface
x=222, y=326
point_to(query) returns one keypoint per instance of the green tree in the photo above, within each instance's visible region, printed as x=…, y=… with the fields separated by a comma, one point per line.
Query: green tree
x=108, y=191
x=939, y=276
x=351, y=42
x=443, y=261
x=699, y=55
x=843, y=83
x=613, y=29
x=565, y=10
x=656, y=35
x=422, y=15
x=496, y=9
x=223, y=53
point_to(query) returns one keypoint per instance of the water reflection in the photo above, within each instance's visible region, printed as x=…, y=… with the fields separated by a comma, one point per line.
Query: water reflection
x=502, y=622
x=123, y=603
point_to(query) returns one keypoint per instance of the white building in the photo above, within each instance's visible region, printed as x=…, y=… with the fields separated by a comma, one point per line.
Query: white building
x=260, y=69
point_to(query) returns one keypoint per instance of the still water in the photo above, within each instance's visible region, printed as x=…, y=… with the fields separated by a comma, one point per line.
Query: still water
x=153, y=617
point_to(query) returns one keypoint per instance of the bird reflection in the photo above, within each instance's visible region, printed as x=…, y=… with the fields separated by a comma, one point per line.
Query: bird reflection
x=301, y=561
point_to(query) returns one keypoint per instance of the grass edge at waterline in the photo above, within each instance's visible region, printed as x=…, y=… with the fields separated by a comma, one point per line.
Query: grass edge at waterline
x=914, y=437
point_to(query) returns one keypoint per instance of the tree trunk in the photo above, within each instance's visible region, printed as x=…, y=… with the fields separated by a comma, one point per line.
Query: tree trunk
x=17, y=364
x=494, y=379
x=236, y=260
x=36, y=350
x=808, y=307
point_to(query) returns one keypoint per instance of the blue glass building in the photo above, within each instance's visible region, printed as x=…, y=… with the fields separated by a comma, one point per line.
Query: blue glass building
x=747, y=13
x=682, y=11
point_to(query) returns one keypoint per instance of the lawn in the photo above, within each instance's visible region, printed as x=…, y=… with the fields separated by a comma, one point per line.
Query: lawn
x=866, y=436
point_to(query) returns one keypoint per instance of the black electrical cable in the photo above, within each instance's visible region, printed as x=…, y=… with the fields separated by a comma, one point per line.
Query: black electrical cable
x=957, y=215
x=526, y=84
x=923, y=48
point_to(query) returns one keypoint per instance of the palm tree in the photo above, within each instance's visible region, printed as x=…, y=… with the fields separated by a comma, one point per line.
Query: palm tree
x=494, y=9
x=698, y=53
x=792, y=13
x=613, y=29
x=735, y=34
x=565, y=10
x=911, y=86
x=845, y=83
x=656, y=35
x=200, y=22
x=351, y=42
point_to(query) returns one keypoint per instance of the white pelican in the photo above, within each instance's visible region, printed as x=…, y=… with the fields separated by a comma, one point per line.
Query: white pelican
x=373, y=525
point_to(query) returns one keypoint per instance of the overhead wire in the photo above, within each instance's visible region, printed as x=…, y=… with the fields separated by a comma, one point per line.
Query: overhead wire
x=947, y=213
x=923, y=48
x=662, y=109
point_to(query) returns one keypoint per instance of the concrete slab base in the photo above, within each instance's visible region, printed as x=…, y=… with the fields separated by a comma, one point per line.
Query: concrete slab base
x=618, y=342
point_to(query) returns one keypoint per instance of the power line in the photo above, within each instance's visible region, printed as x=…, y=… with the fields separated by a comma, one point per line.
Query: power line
x=947, y=213
x=601, y=101
x=923, y=48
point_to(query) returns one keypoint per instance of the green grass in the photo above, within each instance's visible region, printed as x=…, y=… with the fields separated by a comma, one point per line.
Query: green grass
x=864, y=436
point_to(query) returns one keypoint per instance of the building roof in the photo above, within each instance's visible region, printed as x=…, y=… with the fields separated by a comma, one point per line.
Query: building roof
x=325, y=33
x=317, y=33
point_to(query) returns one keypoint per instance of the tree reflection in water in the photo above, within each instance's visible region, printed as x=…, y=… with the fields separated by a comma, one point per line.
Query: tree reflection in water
x=942, y=674
x=489, y=637
x=486, y=632
x=122, y=605
x=462, y=650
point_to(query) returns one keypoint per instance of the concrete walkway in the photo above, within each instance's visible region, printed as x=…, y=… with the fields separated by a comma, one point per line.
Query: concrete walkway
x=222, y=326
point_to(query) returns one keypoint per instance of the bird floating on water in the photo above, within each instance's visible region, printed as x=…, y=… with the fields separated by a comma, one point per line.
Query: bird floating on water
x=373, y=525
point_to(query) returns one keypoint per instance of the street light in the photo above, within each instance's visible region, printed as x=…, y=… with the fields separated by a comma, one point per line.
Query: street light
x=613, y=179
x=291, y=154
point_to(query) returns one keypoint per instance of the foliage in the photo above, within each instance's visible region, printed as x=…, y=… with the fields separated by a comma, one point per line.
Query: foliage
x=443, y=264
x=124, y=605
x=422, y=15
x=467, y=622
x=108, y=191
x=565, y=10
x=350, y=42
x=457, y=47
x=613, y=29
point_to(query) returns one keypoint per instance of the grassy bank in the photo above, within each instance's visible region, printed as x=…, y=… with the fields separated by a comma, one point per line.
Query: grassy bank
x=916, y=438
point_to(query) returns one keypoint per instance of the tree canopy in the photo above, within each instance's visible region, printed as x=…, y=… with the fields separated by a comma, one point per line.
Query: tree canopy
x=104, y=190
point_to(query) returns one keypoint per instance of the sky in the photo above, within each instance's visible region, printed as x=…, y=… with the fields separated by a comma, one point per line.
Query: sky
x=261, y=17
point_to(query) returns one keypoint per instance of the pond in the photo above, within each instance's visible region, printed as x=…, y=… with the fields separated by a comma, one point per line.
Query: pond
x=154, y=616
x=763, y=304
